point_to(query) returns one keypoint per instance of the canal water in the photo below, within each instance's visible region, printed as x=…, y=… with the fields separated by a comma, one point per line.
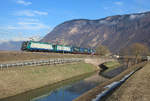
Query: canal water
x=63, y=91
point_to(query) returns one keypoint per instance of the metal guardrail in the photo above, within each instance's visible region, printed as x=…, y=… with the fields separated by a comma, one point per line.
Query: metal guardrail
x=41, y=62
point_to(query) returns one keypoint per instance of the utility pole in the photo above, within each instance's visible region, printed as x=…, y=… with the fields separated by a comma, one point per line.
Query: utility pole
x=56, y=41
x=63, y=43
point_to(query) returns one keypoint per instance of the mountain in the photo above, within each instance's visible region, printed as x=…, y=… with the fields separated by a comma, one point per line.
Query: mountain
x=116, y=32
x=11, y=45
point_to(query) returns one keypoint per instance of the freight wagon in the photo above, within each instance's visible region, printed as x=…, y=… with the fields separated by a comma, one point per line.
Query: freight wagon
x=62, y=48
x=47, y=47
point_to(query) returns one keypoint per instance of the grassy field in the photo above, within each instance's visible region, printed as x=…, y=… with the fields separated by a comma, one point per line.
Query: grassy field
x=18, y=80
x=112, y=65
x=12, y=56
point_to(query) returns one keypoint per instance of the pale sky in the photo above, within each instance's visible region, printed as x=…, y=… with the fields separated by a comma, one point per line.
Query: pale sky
x=22, y=19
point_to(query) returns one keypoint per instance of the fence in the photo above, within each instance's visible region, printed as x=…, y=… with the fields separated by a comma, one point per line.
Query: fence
x=41, y=62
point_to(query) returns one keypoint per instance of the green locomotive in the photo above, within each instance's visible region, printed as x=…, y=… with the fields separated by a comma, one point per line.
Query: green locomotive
x=47, y=47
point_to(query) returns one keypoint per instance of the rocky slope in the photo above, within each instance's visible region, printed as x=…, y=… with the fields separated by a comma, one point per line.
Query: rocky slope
x=116, y=32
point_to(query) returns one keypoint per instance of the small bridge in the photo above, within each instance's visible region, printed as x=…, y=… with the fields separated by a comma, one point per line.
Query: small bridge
x=98, y=61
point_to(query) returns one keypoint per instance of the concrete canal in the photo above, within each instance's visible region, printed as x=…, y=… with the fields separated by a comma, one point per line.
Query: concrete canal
x=64, y=91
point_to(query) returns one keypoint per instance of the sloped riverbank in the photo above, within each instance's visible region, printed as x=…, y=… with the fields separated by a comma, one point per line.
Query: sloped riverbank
x=18, y=80
x=88, y=96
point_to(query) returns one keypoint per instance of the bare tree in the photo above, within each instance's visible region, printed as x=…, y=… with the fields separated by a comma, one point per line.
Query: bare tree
x=102, y=50
x=136, y=51
x=139, y=50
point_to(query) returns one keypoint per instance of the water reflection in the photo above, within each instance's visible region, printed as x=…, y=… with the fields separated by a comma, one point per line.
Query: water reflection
x=81, y=87
x=68, y=92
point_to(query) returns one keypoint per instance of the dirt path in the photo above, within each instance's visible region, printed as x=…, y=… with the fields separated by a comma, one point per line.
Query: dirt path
x=136, y=88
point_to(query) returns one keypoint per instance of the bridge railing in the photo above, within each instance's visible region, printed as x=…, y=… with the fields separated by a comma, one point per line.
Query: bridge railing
x=41, y=62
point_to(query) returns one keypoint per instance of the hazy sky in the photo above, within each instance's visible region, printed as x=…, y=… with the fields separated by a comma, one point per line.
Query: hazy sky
x=21, y=19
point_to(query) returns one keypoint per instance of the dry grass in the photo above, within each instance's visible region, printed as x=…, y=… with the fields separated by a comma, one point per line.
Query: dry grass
x=12, y=56
x=17, y=80
x=88, y=96
x=136, y=88
x=112, y=64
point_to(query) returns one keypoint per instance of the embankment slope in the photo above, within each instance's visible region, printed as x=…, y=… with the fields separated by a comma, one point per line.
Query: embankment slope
x=136, y=88
x=21, y=79
x=91, y=94
x=13, y=56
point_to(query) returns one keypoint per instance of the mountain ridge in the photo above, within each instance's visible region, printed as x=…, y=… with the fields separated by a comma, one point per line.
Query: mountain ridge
x=116, y=32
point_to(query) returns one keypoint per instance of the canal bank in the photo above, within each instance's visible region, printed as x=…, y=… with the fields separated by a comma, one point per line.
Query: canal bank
x=66, y=90
x=92, y=94
x=18, y=80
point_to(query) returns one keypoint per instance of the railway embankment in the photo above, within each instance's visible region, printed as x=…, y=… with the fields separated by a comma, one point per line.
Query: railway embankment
x=19, y=56
x=17, y=80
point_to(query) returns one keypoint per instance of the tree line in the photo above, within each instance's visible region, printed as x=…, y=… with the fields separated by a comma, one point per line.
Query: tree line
x=133, y=53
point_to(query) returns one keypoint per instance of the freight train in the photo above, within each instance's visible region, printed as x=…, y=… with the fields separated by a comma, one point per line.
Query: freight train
x=34, y=46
